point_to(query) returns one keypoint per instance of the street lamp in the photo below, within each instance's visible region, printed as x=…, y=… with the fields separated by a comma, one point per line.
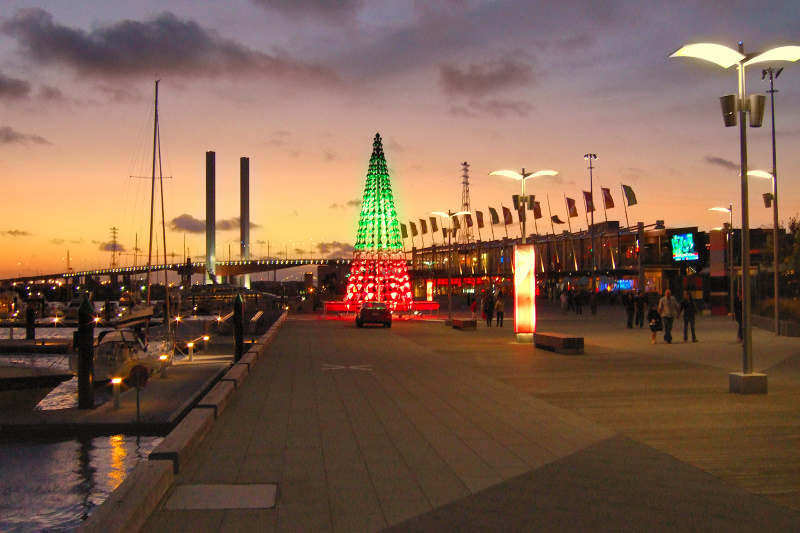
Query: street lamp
x=593, y=305
x=523, y=199
x=729, y=236
x=773, y=199
x=449, y=215
x=746, y=382
x=773, y=75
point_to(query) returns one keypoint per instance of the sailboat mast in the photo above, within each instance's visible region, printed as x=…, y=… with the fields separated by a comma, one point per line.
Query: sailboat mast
x=152, y=193
x=164, y=236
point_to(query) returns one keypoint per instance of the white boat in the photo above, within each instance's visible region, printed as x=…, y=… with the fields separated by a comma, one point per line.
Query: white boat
x=24, y=386
x=116, y=352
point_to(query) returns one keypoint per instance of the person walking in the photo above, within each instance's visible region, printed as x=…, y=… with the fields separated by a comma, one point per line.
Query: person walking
x=488, y=307
x=688, y=309
x=654, y=319
x=474, y=308
x=630, y=306
x=499, y=310
x=564, y=302
x=639, y=301
x=668, y=309
x=579, y=303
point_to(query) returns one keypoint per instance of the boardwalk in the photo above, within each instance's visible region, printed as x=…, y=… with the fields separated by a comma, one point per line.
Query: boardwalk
x=424, y=428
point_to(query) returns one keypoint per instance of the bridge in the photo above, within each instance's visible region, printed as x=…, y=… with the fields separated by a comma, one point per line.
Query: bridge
x=223, y=269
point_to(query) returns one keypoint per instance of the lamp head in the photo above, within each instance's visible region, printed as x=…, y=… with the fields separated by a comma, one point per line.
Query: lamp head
x=759, y=174
x=715, y=53
x=590, y=156
x=781, y=53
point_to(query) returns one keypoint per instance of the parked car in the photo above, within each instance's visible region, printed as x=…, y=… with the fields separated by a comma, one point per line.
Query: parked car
x=374, y=313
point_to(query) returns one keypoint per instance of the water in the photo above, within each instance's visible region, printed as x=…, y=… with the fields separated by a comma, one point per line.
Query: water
x=55, y=485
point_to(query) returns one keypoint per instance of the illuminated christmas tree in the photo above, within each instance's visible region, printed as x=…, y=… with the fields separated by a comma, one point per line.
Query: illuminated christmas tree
x=379, y=272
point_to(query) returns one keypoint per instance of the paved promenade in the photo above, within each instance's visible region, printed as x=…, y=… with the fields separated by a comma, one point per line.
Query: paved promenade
x=425, y=428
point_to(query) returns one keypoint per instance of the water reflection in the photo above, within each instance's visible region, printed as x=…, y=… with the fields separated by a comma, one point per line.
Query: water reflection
x=54, y=486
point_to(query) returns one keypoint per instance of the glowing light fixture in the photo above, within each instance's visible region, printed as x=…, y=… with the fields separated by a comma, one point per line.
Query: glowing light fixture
x=524, y=292
x=716, y=53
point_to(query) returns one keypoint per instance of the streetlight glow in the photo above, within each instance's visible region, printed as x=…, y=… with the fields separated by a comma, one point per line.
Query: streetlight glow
x=782, y=53
x=716, y=53
x=521, y=177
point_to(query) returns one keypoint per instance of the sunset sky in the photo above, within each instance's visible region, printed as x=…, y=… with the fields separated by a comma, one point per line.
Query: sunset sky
x=302, y=86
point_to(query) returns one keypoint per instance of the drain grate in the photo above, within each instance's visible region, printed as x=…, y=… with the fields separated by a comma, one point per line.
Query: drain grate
x=222, y=497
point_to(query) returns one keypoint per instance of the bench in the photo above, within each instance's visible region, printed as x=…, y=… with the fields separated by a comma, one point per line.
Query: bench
x=465, y=324
x=559, y=343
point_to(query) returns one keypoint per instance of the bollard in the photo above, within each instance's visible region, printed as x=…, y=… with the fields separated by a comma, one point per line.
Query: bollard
x=30, y=321
x=238, y=328
x=84, y=342
x=164, y=364
x=117, y=383
x=191, y=351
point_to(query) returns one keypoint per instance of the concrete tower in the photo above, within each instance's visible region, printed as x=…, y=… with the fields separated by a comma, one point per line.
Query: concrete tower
x=211, y=240
x=244, y=217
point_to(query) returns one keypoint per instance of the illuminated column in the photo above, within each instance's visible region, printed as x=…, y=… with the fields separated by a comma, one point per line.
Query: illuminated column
x=524, y=292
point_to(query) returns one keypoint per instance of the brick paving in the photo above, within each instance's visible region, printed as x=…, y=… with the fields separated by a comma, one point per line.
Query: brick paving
x=424, y=428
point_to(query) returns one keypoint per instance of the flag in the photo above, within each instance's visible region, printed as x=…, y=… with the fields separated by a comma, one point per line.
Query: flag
x=537, y=210
x=607, y=200
x=493, y=215
x=572, y=209
x=629, y=196
x=444, y=231
x=479, y=218
x=434, y=227
x=557, y=220
x=404, y=230
x=423, y=225
x=468, y=220
x=507, y=216
x=587, y=200
x=456, y=223
x=413, y=229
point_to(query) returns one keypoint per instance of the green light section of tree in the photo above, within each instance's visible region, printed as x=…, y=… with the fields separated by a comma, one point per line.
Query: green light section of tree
x=378, y=229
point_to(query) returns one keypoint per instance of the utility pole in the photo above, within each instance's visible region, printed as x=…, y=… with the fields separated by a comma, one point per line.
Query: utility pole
x=114, y=247
x=465, y=235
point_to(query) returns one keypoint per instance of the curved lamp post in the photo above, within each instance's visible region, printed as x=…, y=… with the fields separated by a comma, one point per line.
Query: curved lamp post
x=523, y=199
x=726, y=57
x=729, y=210
x=773, y=198
x=450, y=216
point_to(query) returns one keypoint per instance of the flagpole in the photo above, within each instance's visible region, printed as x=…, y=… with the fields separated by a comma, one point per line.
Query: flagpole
x=552, y=228
x=625, y=204
x=586, y=206
x=569, y=222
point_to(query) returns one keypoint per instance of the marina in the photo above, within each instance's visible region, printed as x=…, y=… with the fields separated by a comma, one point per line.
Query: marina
x=63, y=462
